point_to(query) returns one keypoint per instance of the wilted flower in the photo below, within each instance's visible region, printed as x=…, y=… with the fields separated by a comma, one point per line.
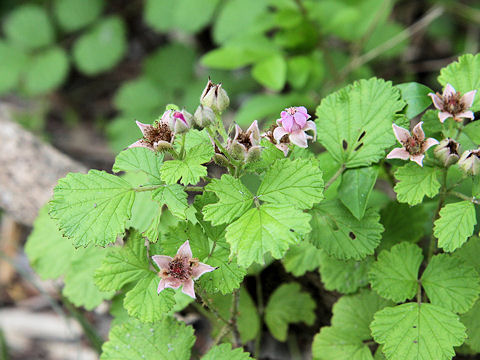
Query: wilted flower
x=180, y=270
x=282, y=144
x=447, y=151
x=156, y=137
x=414, y=146
x=246, y=144
x=204, y=116
x=453, y=104
x=214, y=97
x=470, y=162
x=294, y=123
x=178, y=121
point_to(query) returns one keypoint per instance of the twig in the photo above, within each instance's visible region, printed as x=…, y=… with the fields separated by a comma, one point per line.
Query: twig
x=233, y=320
x=334, y=177
x=223, y=331
x=465, y=197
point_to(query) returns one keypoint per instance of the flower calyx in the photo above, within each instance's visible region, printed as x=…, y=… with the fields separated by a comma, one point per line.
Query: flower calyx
x=156, y=137
x=469, y=162
x=448, y=151
x=453, y=104
x=178, y=121
x=245, y=146
x=204, y=116
x=215, y=97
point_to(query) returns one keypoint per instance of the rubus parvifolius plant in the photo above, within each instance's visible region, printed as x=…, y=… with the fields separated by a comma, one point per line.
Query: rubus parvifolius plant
x=172, y=231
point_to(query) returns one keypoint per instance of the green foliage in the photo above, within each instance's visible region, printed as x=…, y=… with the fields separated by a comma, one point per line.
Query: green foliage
x=102, y=47
x=46, y=71
x=301, y=258
x=93, y=207
x=345, y=276
x=415, y=182
x=288, y=304
x=73, y=15
x=189, y=170
x=416, y=97
x=455, y=225
x=136, y=341
x=355, y=189
x=174, y=197
x=343, y=236
x=334, y=343
x=138, y=95
x=29, y=27
x=139, y=159
x=224, y=351
x=13, y=63
x=464, y=76
x=412, y=331
x=394, y=274
x=450, y=283
x=355, y=123
x=470, y=320
x=271, y=72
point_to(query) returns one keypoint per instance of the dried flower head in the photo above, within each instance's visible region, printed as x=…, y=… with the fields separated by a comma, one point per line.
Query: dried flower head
x=156, y=137
x=453, y=104
x=245, y=145
x=293, y=122
x=448, y=151
x=470, y=162
x=413, y=146
x=180, y=270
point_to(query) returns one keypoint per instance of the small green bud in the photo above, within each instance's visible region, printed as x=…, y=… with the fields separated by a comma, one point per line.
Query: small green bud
x=204, y=116
x=214, y=97
x=447, y=152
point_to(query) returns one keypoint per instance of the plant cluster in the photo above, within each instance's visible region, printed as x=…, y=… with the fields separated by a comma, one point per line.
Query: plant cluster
x=171, y=230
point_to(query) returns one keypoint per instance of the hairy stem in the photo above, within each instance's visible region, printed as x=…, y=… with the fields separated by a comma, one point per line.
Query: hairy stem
x=182, y=149
x=334, y=177
x=233, y=320
x=419, y=292
x=465, y=197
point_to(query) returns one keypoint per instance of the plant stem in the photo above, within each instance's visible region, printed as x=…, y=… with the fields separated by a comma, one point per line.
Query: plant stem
x=206, y=303
x=194, y=188
x=293, y=347
x=221, y=334
x=3, y=347
x=419, y=292
x=432, y=246
x=334, y=177
x=147, y=188
x=233, y=320
x=220, y=147
x=182, y=149
x=260, y=308
x=464, y=197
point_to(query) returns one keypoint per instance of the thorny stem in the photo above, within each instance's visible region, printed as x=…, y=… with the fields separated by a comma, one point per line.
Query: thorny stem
x=260, y=308
x=233, y=320
x=334, y=177
x=464, y=197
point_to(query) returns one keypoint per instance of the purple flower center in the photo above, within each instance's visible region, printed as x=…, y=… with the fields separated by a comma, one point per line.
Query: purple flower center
x=179, y=268
x=179, y=115
x=454, y=104
x=291, y=110
x=414, y=146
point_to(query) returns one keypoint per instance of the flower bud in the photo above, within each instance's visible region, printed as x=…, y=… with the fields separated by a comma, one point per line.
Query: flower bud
x=447, y=151
x=214, y=97
x=178, y=121
x=470, y=162
x=204, y=116
x=221, y=160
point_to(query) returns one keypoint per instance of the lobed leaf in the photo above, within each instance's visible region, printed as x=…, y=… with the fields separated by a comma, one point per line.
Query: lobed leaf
x=415, y=182
x=174, y=197
x=139, y=159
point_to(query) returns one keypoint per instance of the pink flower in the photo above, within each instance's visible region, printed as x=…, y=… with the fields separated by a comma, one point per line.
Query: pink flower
x=294, y=124
x=180, y=270
x=156, y=137
x=245, y=146
x=452, y=104
x=178, y=121
x=414, y=146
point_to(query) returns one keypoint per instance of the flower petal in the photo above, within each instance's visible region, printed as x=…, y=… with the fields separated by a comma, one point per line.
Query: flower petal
x=418, y=159
x=449, y=91
x=238, y=131
x=185, y=251
x=468, y=98
x=437, y=101
x=443, y=115
x=399, y=153
x=299, y=138
x=163, y=261
x=254, y=130
x=172, y=283
x=418, y=131
x=283, y=147
x=287, y=122
x=143, y=127
x=401, y=134
x=310, y=125
x=303, y=110
x=279, y=132
x=201, y=269
x=429, y=143
x=188, y=288
x=141, y=143
x=300, y=119
x=466, y=114
x=161, y=286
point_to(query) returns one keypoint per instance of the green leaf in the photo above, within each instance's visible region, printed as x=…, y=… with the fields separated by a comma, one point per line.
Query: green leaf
x=415, y=182
x=298, y=70
x=271, y=72
x=193, y=15
x=123, y=265
x=102, y=47
x=455, y=225
x=168, y=338
x=47, y=250
x=413, y=331
x=344, y=276
x=335, y=343
x=298, y=183
x=394, y=275
x=174, y=197
x=355, y=123
x=227, y=277
x=144, y=210
x=402, y=223
x=47, y=71
x=464, y=76
x=355, y=189
x=470, y=252
x=73, y=15
x=233, y=200
x=189, y=170
x=450, y=283
x=470, y=320
x=79, y=287
x=93, y=207
x=224, y=351
x=416, y=97
x=472, y=130
x=13, y=63
x=343, y=236
x=29, y=27
x=288, y=304
x=139, y=159
x=143, y=302
x=268, y=228
x=301, y=258
x=139, y=95
x=159, y=14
